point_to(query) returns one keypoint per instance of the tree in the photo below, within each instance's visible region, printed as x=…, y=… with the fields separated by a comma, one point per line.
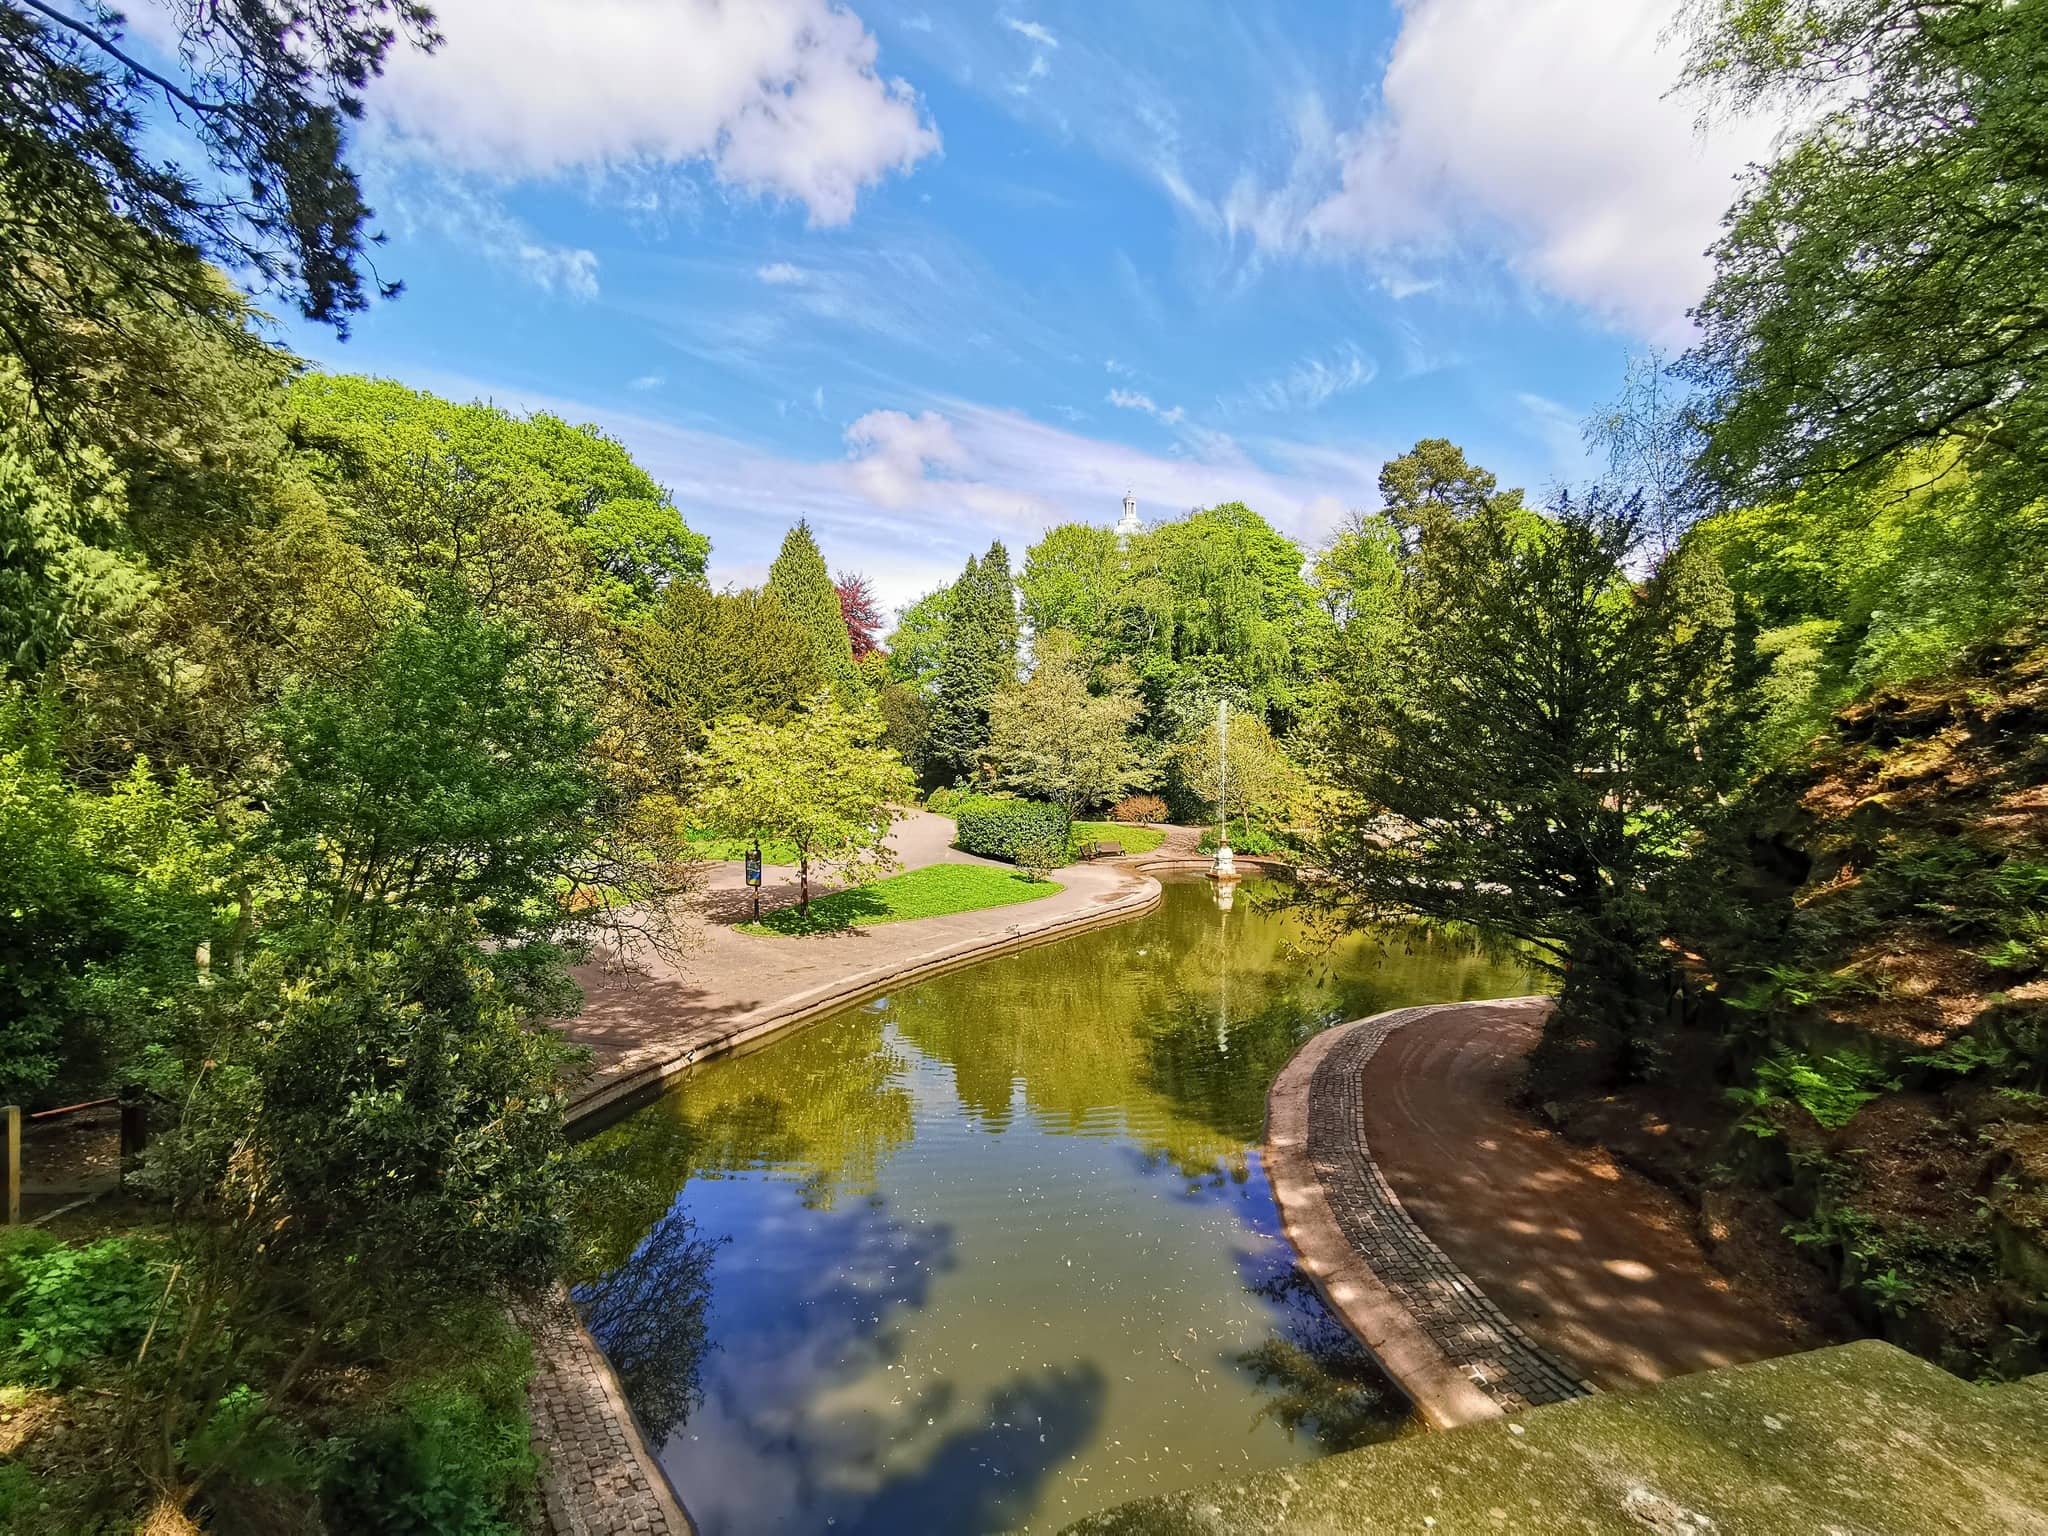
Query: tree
x=702, y=655
x=1053, y=738
x=266, y=91
x=918, y=643
x=1262, y=785
x=978, y=658
x=1550, y=739
x=803, y=586
x=1877, y=286
x=1209, y=605
x=372, y=1137
x=533, y=515
x=1433, y=486
x=820, y=782
x=863, y=615
x=1072, y=580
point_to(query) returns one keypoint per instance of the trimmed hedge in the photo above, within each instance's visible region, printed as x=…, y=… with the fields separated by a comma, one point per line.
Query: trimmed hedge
x=996, y=826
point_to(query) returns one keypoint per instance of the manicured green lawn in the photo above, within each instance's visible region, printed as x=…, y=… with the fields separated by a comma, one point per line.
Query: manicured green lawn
x=929, y=892
x=705, y=846
x=1135, y=839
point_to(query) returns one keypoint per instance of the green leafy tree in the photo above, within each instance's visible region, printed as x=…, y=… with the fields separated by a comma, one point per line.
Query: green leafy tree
x=1877, y=286
x=532, y=516
x=1262, y=788
x=1210, y=605
x=1550, y=741
x=918, y=643
x=1052, y=737
x=104, y=901
x=451, y=773
x=702, y=655
x=803, y=586
x=1433, y=487
x=821, y=782
x=1073, y=580
x=374, y=1141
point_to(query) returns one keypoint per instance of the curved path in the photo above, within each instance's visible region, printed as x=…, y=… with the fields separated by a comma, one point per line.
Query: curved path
x=1489, y=1263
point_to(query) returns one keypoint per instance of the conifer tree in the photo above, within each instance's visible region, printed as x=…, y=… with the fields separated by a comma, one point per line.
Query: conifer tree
x=979, y=657
x=801, y=583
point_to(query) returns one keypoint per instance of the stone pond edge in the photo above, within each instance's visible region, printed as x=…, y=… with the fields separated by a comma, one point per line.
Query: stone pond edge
x=1444, y=1395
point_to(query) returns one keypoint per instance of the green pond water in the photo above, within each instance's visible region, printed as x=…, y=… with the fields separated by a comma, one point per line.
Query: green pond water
x=995, y=1250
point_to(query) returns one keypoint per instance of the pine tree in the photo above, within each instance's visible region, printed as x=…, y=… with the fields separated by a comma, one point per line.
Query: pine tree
x=802, y=584
x=979, y=656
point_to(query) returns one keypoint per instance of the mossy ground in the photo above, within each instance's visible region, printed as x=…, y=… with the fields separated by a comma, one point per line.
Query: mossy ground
x=1862, y=1437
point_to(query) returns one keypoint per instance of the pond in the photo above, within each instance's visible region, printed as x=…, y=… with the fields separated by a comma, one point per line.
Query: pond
x=995, y=1250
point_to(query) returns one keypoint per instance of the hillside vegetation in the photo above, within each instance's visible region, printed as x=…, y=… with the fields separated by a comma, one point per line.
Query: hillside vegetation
x=1858, y=1080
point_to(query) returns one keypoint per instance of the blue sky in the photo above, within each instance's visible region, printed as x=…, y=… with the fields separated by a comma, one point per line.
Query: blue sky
x=930, y=275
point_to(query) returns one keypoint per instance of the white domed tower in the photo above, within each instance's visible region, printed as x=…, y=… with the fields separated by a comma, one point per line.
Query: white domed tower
x=1128, y=524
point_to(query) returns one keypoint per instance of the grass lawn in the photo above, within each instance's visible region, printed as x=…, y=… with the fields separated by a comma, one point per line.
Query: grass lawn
x=929, y=892
x=705, y=846
x=1135, y=839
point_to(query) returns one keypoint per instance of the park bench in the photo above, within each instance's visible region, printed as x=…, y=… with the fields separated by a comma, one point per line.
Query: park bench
x=1102, y=850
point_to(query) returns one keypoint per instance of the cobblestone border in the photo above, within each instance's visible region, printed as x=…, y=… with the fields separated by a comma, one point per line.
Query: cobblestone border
x=598, y=1477
x=1460, y=1320
x=1431, y=1328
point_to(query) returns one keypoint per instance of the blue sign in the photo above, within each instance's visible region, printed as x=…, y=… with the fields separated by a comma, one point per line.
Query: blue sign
x=753, y=866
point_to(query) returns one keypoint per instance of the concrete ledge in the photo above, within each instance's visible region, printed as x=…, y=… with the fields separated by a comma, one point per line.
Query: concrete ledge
x=1380, y=1308
x=1861, y=1438
x=1443, y=1396
x=585, y=1112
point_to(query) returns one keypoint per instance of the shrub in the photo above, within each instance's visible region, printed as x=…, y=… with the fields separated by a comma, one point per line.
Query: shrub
x=943, y=800
x=1138, y=808
x=453, y=1456
x=1254, y=840
x=1038, y=851
x=996, y=827
x=61, y=1307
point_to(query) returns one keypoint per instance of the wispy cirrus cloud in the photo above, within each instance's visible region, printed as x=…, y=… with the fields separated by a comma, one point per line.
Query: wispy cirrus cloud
x=1311, y=381
x=1137, y=400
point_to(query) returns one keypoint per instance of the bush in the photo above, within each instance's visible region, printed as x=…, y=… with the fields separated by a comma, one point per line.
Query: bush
x=997, y=827
x=61, y=1307
x=453, y=1458
x=943, y=800
x=1254, y=840
x=1138, y=808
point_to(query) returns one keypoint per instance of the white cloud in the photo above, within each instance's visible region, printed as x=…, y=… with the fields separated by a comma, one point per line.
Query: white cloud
x=1562, y=432
x=471, y=217
x=646, y=382
x=1037, y=32
x=779, y=272
x=780, y=98
x=1313, y=380
x=1545, y=131
x=1132, y=400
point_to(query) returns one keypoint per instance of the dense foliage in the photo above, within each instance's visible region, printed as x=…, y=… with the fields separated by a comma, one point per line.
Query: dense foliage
x=1000, y=827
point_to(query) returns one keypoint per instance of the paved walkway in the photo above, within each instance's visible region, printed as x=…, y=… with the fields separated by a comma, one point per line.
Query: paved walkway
x=732, y=987
x=1594, y=1261
x=1488, y=1263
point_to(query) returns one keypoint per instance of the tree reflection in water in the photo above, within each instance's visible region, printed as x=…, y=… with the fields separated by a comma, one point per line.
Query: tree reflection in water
x=1002, y=1251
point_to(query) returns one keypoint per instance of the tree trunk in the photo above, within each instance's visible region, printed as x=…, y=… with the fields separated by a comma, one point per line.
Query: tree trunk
x=803, y=882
